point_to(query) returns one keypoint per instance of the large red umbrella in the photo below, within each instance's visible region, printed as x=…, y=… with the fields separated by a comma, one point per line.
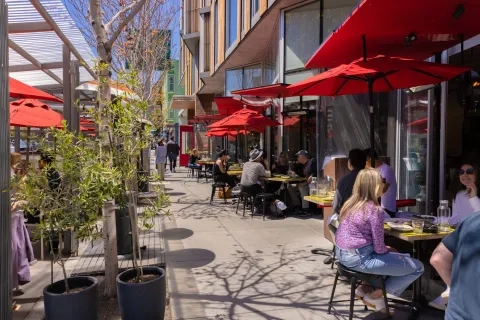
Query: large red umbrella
x=33, y=113
x=378, y=74
x=244, y=119
x=278, y=90
x=221, y=132
x=21, y=90
x=407, y=28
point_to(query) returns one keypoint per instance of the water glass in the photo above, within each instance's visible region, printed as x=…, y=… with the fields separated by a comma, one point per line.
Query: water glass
x=313, y=192
x=418, y=226
x=322, y=192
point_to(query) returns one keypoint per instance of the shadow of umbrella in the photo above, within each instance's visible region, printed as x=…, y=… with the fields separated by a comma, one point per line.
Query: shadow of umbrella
x=176, y=234
x=176, y=193
x=191, y=258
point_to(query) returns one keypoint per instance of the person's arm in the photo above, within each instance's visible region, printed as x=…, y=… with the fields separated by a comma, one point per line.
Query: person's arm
x=442, y=261
x=337, y=201
x=378, y=232
x=221, y=166
x=473, y=197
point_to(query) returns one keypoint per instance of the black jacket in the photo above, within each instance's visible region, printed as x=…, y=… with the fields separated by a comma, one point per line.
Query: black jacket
x=173, y=148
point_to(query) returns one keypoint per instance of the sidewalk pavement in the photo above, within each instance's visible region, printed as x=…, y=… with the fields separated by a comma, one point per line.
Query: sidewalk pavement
x=221, y=265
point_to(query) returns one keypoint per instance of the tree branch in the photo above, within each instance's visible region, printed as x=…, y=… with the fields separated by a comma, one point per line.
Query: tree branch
x=109, y=24
x=136, y=9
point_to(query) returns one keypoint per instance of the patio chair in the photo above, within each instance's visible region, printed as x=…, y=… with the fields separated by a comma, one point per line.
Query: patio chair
x=221, y=185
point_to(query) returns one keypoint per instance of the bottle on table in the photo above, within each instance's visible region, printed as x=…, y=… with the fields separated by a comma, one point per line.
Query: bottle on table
x=443, y=216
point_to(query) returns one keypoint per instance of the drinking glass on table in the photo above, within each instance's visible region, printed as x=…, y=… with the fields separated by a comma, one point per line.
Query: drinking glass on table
x=418, y=226
x=313, y=192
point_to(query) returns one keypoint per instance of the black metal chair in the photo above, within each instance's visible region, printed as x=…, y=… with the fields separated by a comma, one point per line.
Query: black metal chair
x=355, y=278
x=246, y=198
x=264, y=197
x=221, y=185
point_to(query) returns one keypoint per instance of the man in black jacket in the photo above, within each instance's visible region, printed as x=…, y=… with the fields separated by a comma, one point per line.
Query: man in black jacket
x=173, y=150
x=356, y=162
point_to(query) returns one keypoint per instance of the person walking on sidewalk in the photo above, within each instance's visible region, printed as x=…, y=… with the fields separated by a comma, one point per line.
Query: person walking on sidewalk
x=161, y=159
x=173, y=149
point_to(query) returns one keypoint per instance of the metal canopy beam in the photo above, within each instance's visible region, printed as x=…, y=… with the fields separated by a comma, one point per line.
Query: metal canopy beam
x=48, y=18
x=28, y=27
x=32, y=60
x=32, y=67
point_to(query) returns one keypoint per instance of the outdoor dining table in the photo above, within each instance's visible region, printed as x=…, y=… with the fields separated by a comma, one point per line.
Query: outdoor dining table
x=235, y=172
x=416, y=239
x=319, y=201
x=285, y=180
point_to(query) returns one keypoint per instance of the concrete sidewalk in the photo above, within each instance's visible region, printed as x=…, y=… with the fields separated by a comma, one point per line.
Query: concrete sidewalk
x=221, y=265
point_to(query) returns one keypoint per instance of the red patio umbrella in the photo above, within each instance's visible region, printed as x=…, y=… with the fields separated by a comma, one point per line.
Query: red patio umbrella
x=245, y=119
x=224, y=132
x=378, y=74
x=407, y=28
x=278, y=90
x=33, y=113
x=21, y=90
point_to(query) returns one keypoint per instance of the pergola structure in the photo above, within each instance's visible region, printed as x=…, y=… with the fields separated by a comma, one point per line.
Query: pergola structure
x=40, y=45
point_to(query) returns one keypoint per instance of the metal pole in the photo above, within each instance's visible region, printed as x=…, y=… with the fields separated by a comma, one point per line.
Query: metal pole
x=5, y=224
x=75, y=82
x=301, y=125
x=320, y=126
x=437, y=91
x=67, y=87
x=372, y=122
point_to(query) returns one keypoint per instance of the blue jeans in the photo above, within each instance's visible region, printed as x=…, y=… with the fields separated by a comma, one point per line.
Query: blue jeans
x=401, y=271
x=173, y=161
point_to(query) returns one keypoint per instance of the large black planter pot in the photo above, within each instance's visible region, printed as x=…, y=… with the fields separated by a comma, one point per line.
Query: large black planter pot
x=81, y=305
x=124, y=229
x=145, y=301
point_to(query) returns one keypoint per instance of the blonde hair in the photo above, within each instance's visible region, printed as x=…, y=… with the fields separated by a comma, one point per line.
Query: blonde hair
x=15, y=158
x=367, y=188
x=22, y=165
x=194, y=151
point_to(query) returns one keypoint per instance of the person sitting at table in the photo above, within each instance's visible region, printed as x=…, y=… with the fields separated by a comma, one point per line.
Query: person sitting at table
x=356, y=162
x=465, y=203
x=253, y=173
x=389, y=197
x=361, y=245
x=194, y=157
x=281, y=166
x=220, y=170
x=249, y=149
x=307, y=169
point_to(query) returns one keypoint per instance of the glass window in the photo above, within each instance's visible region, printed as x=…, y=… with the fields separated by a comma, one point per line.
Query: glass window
x=254, y=6
x=233, y=80
x=171, y=83
x=302, y=35
x=242, y=15
x=171, y=114
x=215, y=44
x=231, y=23
x=252, y=76
x=334, y=14
x=413, y=148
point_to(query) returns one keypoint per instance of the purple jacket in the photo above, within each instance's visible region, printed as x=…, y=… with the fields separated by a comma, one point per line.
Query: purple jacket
x=22, y=252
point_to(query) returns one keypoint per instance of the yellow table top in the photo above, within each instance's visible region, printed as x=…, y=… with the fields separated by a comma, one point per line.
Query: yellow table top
x=319, y=200
x=286, y=180
x=234, y=172
x=205, y=162
x=412, y=236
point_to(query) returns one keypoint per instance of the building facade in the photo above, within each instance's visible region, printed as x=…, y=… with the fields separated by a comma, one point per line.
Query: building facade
x=240, y=44
x=172, y=87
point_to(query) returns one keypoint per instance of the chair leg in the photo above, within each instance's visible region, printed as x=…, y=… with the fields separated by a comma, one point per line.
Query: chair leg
x=264, y=208
x=213, y=193
x=245, y=199
x=333, y=293
x=353, y=286
x=334, y=253
x=224, y=194
x=382, y=283
x=254, y=202
x=238, y=204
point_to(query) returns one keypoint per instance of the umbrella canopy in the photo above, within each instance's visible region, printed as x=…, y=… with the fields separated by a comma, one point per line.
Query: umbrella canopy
x=384, y=73
x=407, y=28
x=378, y=74
x=290, y=121
x=221, y=132
x=228, y=105
x=23, y=91
x=245, y=119
x=278, y=90
x=33, y=113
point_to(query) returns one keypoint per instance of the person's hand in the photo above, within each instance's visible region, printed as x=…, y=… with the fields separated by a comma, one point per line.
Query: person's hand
x=390, y=249
x=18, y=205
x=472, y=190
x=309, y=180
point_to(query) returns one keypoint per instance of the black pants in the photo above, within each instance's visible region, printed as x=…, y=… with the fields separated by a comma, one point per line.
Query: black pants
x=173, y=161
x=253, y=189
x=225, y=178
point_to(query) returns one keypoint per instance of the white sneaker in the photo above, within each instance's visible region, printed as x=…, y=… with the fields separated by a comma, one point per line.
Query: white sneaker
x=439, y=303
x=377, y=304
x=359, y=294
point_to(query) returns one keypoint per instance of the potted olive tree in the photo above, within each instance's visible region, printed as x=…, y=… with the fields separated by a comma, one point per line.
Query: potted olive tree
x=141, y=290
x=68, y=190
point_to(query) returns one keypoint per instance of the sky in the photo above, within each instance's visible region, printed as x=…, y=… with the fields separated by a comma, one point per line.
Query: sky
x=174, y=25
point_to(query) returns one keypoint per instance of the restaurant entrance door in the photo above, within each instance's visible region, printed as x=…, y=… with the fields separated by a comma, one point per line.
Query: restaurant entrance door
x=187, y=143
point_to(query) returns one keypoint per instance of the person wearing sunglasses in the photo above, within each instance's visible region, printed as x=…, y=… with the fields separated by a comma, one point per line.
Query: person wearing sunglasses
x=464, y=204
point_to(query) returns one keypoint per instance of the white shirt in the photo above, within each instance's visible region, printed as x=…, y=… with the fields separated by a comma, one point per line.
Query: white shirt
x=463, y=206
x=389, y=198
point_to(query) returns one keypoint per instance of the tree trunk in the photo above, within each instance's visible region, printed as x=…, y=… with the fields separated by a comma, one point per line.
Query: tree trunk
x=110, y=247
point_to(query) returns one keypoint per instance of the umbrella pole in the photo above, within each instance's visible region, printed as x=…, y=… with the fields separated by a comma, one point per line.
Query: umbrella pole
x=236, y=147
x=301, y=124
x=372, y=122
x=28, y=144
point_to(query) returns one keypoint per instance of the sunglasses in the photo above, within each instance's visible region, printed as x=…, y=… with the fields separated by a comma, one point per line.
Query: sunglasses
x=468, y=171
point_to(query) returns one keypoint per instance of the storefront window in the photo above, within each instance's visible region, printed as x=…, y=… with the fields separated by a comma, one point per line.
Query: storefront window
x=302, y=35
x=252, y=76
x=243, y=78
x=334, y=14
x=413, y=148
x=231, y=22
